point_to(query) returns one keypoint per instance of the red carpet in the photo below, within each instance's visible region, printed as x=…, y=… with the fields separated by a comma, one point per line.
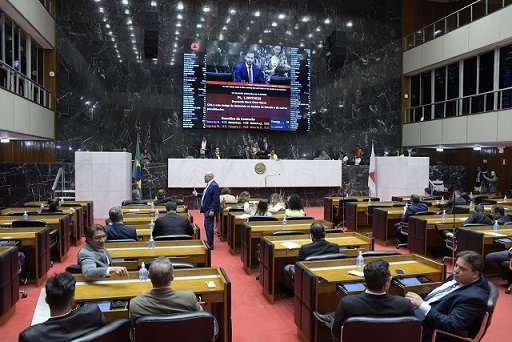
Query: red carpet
x=254, y=319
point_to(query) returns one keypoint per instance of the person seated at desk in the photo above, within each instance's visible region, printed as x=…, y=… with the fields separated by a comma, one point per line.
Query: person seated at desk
x=477, y=216
x=135, y=199
x=53, y=206
x=498, y=214
x=64, y=323
x=248, y=72
x=324, y=156
x=498, y=260
x=255, y=150
x=265, y=146
x=226, y=197
x=216, y=153
x=162, y=299
x=458, y=303
x=374, y=301
x=161, y=197
x=415, y=207
x=243, y=201
x=318, y=246
x=172, y=223
x=295, y=207
x=116, y=229
x=246, y=153
x=457, y=199
x=276, y=203
x=262, y=208
x=272, y=155
x=94, y=258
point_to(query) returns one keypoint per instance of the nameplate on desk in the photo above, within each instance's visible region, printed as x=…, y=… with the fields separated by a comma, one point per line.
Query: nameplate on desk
x=290, y=245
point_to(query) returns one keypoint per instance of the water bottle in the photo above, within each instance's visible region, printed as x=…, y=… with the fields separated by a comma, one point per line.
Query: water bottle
x=151, y=225
x=470, y=206
x=25, y=216
x=143, y=273
x=41, y=207
x=495, y=226
x=360, y=260
x=156, y=197
x=284, y=222
x=505, y=199
x=442, y=200
x=151, y=242
x=405, y=207
x=61, y=202
x=157, y=214
x=443, y=216
x=152, y=205
x=369, y=201
x=471, y=195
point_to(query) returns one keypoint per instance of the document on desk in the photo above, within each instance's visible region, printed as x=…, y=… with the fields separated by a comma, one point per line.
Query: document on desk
x=356, y=273
x=495, y=234
x=290, y=245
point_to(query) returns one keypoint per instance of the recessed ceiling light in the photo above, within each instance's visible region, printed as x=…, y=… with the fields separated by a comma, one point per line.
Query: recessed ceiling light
x=5, y=140
x=257, y=13
x=180, y=6
x=477, y=148
x=281, y=16
x=439, y=149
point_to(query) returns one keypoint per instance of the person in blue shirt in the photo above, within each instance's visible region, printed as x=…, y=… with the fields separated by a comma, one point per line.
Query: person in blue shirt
x=415, y=207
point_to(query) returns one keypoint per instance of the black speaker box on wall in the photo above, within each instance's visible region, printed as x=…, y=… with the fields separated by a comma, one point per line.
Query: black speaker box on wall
x=151, y=33
x=336, y=47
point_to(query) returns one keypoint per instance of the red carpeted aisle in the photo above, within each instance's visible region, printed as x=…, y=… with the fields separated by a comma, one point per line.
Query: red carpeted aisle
x=254, y=319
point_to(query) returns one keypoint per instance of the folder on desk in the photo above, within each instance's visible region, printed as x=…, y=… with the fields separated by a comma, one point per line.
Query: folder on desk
x=103, y=305
x=409, y=281
x=354, y=286
x=503, y=240
x=290, y=245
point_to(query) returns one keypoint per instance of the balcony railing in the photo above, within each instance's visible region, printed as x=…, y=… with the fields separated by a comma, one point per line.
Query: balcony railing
x=471, y=104
x=464, y=16
x=15, y=82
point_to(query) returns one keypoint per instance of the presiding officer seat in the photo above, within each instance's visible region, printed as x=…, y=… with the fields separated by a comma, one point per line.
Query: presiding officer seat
x=484, y=324
x=196, y=326
x=382, y=329
x=116, y=331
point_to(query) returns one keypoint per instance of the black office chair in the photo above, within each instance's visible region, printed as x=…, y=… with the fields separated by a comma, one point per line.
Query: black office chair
x=122, y=240
x=374, y=199
x=19, y=213
x=333, y=231
x=74, y=269
x=485, y=320
x=299, y=218
x=404, y=227
x=28, y=223
x=324, y=257
x=173, y=237
x=382, y=329
x=287, y=232
x=175, y=265
x=196, y=326
x=116, y=331
x=262, y=218
x=369, y=254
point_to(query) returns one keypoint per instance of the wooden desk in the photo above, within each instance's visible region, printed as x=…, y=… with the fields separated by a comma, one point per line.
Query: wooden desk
x=141, y=222
x=253, y=231
x=217, y=300
x=36, y=246
x=58, y=221
x=423, y=236
x=234, y=231
x=275, y=255
x=77, y=218
x=335, y=211
x=9, y=282
x=481, y=239
x=359, y=215
x=88, y=208
x=316, y=283
x=182, y=208
x=191, y=251
x=223, y=221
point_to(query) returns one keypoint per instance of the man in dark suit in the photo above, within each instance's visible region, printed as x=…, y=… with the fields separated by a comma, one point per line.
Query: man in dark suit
x=162, y=299
x=94, y=259
x=116, y=229
x=477, y=216
x=456, y=305
x=135, y=199
x=246, y=152
x=210, y=204
x=374, y=301
x=265, y=146
x=498, y=214
x=161, y=197
x=172, y=223
x=248, y=72
x=415, y=207
x=64, y=323
x=319, y=246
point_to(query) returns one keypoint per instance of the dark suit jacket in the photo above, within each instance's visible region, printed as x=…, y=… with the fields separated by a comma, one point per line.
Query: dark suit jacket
x=317, y=247
x=211, y=200
x=164, y=200
x=119, y=231
x=366, y=304
x=241, y=74
x=133, y=201
x=246, y=154
x=413, y=209
x=64, y=328
x=172, y=224
x=93, y=262
x=478, y=217
x=459, y=311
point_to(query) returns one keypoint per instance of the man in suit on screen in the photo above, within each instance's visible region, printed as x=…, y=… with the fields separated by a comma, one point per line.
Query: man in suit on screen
x=248, y=72
x=210, y=204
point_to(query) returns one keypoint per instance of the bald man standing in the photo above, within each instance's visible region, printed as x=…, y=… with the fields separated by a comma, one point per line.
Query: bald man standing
x=210, y=204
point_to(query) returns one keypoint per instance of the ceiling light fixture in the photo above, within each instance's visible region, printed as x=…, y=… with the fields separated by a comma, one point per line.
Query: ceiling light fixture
x=5, y=140
x=477, y=148
x=439, y=149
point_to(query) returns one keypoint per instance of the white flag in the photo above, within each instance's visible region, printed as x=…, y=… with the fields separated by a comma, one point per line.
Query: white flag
x=371, y=175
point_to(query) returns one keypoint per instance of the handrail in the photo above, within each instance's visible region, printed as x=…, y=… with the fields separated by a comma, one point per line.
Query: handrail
x=15, y=82
x=499, y=101
x=452, y=22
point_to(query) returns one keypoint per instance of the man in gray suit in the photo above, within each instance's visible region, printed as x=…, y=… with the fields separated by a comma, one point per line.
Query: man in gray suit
x=94, y=259
x=162, y=299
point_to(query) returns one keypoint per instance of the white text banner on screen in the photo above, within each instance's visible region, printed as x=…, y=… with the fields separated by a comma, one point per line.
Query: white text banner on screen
x=240, y=173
